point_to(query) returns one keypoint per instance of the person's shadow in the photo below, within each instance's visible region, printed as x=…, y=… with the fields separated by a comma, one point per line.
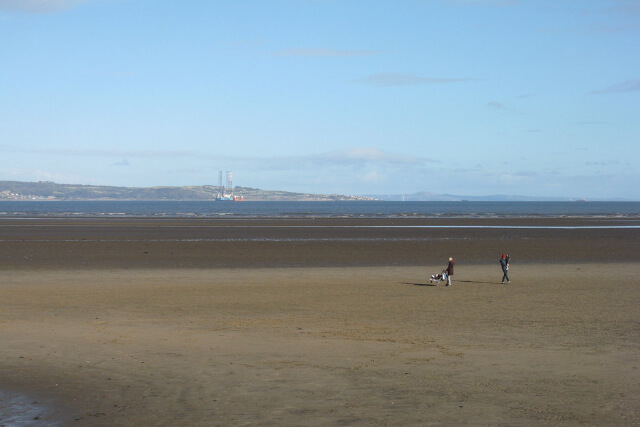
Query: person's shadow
x=476, y=282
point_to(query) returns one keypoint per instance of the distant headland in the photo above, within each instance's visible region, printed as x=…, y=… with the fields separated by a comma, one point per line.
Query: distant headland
x=46, y=190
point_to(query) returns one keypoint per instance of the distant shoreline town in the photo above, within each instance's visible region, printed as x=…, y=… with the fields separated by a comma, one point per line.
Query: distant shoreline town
x=7, y=195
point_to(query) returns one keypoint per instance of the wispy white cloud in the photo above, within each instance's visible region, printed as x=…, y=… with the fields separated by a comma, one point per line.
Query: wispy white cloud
x=591, y=122
x=615, y=28
x=325, y=52
x=601, y=18
x=37, y=6
x=105, y=153
x=357, y=156
x=123, y=162
x=500, y=106
x=367, y=154
x=25, y=174
x=401, y=79
x=373, y=177
x=612, y=7
x=628, y=86
x=495, y=105
x=484, y=3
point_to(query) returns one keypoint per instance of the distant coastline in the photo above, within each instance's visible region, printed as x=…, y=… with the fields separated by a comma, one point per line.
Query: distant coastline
x=46, y=190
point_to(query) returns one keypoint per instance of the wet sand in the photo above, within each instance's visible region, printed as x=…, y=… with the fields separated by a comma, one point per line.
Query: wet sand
x=248, y=243
x=205, y=323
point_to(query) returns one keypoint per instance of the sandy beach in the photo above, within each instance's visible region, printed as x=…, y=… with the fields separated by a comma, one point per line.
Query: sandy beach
x=320, y=322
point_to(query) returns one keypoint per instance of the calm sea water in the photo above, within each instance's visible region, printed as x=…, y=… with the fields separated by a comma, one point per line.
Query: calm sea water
x=17, y=410
x=364, y=209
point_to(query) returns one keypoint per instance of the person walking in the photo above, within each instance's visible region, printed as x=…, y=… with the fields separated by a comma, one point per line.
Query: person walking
x=450, y=271
x=504, y=263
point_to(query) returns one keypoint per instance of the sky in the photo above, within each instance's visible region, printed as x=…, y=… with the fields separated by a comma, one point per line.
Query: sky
x=538, y=98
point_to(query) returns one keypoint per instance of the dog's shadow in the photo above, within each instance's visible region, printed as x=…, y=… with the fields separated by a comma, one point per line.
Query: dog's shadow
x=436, y=284
x=418, y=284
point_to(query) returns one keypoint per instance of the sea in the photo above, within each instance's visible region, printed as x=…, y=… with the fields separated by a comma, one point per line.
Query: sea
x=353, y=209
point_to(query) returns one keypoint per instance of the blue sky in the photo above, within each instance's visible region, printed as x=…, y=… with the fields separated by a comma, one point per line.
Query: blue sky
x=468, y=97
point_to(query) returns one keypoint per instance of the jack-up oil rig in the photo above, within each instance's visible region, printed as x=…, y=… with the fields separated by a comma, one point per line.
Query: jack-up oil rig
x=225, y=193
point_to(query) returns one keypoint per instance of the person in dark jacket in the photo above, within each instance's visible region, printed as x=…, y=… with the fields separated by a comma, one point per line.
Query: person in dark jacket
x=450, y=271
x=504, y=263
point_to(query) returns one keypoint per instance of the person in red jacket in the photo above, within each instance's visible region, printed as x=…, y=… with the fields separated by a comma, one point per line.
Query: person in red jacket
x=504, y=263
x=450, y=271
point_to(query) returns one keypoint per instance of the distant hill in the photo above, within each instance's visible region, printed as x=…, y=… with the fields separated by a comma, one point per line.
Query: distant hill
x=45, y=190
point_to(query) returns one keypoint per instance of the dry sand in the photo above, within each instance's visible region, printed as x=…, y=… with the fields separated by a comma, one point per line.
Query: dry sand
x=125, y=343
